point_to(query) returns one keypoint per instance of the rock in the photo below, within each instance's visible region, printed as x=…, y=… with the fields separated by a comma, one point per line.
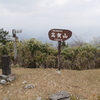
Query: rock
x=5, y=99
x=12, y=84
x=11, y=77
x=25, y=82
x=38, y=98
x=61, y=95
x=3, y=82
x=3, y=77
x=22, y=76
x=58, y=72
x=29, y=86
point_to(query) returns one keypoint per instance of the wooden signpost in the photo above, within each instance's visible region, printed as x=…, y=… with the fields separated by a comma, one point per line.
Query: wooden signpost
x=59, y=35
x=10, y=38
x=6, y=69
x=14, y=42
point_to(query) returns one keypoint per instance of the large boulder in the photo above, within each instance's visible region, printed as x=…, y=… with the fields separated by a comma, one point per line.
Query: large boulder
x=61, y=95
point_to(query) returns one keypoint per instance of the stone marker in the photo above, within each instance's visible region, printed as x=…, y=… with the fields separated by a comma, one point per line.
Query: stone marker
x=6, y=69
x=61, y=95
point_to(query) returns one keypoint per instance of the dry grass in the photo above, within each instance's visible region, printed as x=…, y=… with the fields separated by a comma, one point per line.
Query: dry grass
x=83, y=84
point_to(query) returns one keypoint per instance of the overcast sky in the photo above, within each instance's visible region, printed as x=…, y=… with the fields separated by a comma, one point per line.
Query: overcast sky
x=37, y=17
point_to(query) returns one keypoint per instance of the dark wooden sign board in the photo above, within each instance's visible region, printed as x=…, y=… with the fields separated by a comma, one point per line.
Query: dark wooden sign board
x=59, y=35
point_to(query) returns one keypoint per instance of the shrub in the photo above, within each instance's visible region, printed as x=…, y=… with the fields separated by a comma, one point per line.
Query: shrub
x=34, y=54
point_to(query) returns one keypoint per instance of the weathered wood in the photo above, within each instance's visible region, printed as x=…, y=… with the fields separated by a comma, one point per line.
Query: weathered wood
x=15, y=47
x=59, y=51
x=6, y=69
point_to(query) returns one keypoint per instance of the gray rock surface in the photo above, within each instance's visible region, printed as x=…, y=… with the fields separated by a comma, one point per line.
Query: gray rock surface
x=11, y=77
x=3, y=82
x=61, y=95
x=29, y=86
x=24, y=82
x=38, y=98
x=5, y=99
x=3, y=77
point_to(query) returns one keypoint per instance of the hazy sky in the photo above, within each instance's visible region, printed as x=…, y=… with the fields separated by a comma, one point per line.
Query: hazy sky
x=37, y=17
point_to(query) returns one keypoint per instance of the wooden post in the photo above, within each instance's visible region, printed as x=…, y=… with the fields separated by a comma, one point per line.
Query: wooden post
x=6, y=69
x=59, y=51
x=59, y=35
x=15, y=50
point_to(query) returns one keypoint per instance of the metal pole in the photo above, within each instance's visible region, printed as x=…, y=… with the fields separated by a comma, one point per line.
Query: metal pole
x=59, y=51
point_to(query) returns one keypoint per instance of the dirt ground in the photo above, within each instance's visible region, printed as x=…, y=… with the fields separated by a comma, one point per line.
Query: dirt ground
x=84, y=85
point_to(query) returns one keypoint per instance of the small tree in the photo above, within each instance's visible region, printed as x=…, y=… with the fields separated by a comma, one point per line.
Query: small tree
x=95, y=41
x=3, y=35
x=77, y=42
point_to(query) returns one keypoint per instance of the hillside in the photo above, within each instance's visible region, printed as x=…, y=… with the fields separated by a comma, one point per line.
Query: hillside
x=84, y=85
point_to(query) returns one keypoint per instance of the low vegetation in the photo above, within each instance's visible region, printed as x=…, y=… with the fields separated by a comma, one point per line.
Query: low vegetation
x=35, y=54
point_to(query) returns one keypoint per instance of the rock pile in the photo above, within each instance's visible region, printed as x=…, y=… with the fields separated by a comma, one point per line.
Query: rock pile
x=4, y=79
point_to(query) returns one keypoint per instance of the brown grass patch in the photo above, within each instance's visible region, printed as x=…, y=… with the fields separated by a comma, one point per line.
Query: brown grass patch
x=83, y=84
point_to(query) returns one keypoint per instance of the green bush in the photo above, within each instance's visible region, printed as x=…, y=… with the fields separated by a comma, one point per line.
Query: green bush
x=34, y=54
x=82, y=57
